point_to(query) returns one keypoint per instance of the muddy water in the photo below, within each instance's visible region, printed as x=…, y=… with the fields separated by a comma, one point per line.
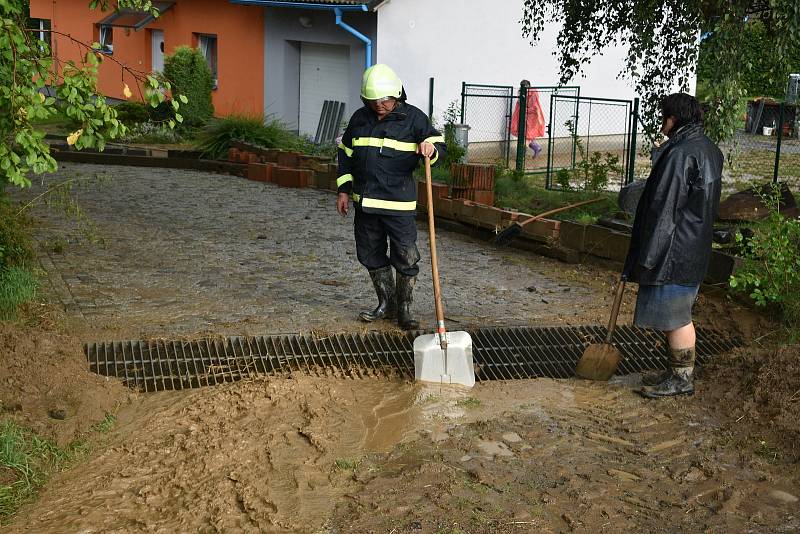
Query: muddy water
x=268, y=455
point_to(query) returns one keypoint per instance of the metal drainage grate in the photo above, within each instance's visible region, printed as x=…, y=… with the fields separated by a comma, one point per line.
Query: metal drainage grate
x=499, y=354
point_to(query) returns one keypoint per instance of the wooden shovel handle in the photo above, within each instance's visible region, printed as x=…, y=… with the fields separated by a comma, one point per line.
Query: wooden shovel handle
x=612, y=321
x=559, y=210
x=437, y=290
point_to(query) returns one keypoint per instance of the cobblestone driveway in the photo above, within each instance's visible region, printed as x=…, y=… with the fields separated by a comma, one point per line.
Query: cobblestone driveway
x=188, y=252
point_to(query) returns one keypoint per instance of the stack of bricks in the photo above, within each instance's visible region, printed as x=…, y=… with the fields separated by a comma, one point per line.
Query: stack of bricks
x=473, y=182
x=284, y=168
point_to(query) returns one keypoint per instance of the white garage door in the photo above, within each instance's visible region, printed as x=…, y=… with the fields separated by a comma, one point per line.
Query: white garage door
x=324, y=75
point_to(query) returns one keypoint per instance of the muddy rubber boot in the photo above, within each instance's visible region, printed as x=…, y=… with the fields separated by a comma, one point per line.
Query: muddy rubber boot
x=383, y=280
x=405, y=291
x=653, y=379
x=680, y=380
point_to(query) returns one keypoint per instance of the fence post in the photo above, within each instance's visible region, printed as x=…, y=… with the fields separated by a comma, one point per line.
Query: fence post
x=548, y=183
x=521, y=146
x=430, y=98
x=634, y=127
x=463, y=99
x=778, y=145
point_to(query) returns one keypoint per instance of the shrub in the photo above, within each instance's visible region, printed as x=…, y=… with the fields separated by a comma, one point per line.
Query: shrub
x=216, y=137
x=152, y=132
x=131, y=113
x=188, y=72
x=770, y=273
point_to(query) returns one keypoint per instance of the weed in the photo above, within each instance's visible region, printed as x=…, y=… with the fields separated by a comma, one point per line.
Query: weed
x=17, y=286
x=152, y=132
x=592, y=171
x=26, y=460
x=766, y=451
x=347, y=464
x=469, y=402
x=106, y=425
x=770, y=273
x=16, y=248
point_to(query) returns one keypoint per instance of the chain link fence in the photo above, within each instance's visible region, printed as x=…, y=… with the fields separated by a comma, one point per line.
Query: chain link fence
x=766, y=147
x=592, y=143
x=488, y=110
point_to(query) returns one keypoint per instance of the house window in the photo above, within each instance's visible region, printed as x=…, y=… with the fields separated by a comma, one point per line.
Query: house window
x=42, y=31
x=208, y=46
x=106, y=39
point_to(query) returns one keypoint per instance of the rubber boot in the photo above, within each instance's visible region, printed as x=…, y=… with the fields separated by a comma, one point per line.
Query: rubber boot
x=383, y=280
x=681, y=376
x=405, y=291
x=653, y=379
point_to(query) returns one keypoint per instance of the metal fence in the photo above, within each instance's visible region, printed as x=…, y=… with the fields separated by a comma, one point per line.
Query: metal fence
x=765, y=148
x=592, y=143
x=488, y=110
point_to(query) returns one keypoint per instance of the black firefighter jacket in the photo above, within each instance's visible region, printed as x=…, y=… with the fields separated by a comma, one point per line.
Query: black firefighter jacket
x=673, y=228
x=377, y=158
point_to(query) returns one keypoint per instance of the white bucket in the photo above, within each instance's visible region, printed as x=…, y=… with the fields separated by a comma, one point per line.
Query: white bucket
x=767, y=130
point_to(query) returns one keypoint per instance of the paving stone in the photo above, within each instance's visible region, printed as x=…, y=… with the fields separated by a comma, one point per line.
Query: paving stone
x=188, y=251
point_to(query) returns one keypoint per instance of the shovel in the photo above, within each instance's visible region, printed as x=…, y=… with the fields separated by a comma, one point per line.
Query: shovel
x=600, y=360
x=444, y=357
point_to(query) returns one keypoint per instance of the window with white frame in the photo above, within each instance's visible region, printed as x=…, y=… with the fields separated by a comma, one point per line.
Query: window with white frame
x=41, y=29
x=106, y=39
x=208, y=47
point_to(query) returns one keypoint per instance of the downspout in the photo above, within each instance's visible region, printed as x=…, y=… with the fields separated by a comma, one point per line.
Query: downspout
x=366, y=40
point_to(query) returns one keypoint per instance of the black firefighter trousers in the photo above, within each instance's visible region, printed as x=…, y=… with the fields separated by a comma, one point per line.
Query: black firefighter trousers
x=371, y=231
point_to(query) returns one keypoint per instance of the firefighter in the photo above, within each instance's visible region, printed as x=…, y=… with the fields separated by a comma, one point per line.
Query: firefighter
x=382, y=145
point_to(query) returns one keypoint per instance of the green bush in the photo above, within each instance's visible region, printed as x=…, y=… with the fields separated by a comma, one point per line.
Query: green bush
x=152, y=132
x=131, y=113
x=216, y=137
x=770, y=273
x=188, y=72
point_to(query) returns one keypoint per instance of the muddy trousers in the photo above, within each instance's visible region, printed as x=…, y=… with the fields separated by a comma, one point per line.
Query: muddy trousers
x=372, y=232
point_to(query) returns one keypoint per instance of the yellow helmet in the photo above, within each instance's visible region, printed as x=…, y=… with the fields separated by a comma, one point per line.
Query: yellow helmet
x=380, y=81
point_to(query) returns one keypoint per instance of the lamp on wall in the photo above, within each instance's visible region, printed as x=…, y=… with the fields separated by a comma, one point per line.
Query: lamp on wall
x=306, y=22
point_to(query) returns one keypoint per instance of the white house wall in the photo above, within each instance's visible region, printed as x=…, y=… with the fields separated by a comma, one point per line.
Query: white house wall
x=479, y=41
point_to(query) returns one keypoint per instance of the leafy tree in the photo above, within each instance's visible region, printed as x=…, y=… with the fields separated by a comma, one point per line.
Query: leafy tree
x=27, y=68
x=662, y=40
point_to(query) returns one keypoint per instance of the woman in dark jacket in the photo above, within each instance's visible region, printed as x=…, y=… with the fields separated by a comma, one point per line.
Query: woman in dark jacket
x=671, y=239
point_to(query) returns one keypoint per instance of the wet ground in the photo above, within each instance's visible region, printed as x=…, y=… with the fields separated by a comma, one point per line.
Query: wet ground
x=188, y=253
x=182, y=252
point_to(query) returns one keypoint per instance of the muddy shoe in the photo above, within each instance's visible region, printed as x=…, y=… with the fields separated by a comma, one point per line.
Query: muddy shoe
x=654, y=379
x=383, y=280
x=679, y=382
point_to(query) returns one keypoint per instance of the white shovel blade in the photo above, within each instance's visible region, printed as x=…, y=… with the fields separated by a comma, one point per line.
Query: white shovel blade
x=429, y=364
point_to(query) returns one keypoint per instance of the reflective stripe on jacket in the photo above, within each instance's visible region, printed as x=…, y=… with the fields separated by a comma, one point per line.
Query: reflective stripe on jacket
x=377, y=158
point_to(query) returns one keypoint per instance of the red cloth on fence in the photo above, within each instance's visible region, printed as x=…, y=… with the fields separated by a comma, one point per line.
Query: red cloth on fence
x=534, y=117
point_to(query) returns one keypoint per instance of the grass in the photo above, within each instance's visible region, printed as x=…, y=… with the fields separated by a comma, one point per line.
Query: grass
x=469, y=402
x=26, y=461
x=17, y=286
x=216, y=137
x=523, y=193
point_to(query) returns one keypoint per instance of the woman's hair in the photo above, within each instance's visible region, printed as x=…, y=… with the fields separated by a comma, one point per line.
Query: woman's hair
x=685, y=108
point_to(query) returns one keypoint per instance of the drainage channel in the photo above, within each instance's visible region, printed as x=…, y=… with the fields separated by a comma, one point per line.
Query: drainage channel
x=499, y=354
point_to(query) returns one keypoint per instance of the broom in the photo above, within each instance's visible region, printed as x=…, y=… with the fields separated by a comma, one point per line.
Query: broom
x=515, y=228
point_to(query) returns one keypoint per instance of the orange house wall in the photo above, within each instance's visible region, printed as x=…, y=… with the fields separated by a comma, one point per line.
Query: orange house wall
x=240, y=45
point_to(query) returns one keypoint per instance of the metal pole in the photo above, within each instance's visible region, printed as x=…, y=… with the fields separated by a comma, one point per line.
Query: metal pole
x=463, y=99
x=548, y=184
x=634, y=127
x=523, y=106
x=430, y=98
x=778, y=145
